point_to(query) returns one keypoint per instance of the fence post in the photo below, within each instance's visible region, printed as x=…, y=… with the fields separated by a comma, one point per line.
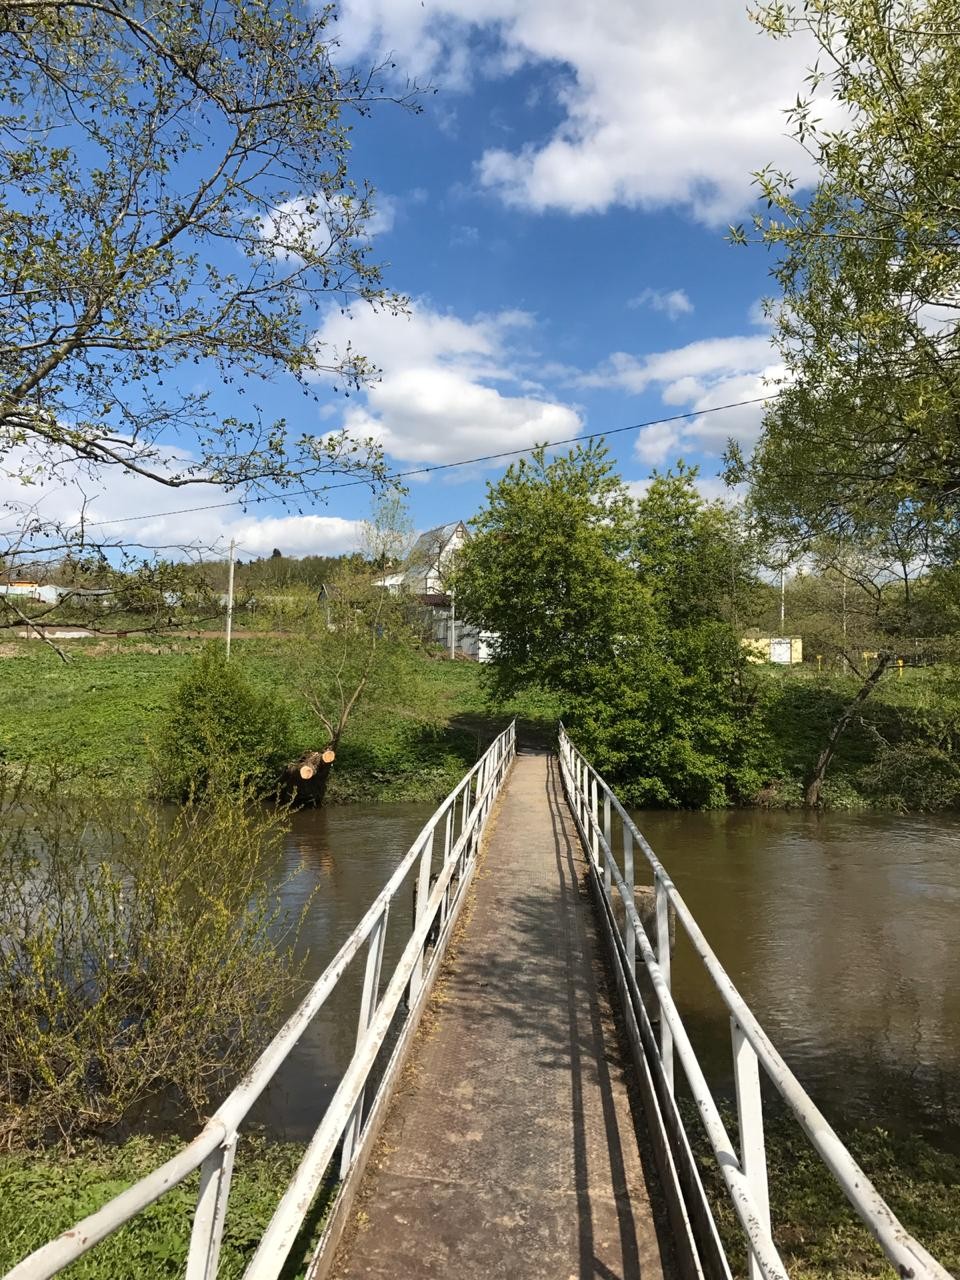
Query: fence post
x=753, y=1155
x=207, y=1232
x=663, y=960
x=628, y=873
x=368, y=1004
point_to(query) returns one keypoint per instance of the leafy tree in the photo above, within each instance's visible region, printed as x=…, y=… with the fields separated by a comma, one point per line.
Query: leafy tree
x=547, y=571
x=867, y=421
x=619, y=606
x=676, y=719
x=175, y=193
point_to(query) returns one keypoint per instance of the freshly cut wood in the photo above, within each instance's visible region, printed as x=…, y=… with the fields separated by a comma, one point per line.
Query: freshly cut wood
x=312, y=761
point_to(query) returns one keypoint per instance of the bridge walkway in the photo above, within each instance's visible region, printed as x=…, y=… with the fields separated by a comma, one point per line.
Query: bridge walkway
x=511, y=1146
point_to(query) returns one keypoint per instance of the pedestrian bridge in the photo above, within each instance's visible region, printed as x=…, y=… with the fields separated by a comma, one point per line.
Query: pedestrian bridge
x=510, y=1106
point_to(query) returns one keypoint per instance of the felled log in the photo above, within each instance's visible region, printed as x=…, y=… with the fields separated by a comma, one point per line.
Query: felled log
x=305, y=780
x=313, y=761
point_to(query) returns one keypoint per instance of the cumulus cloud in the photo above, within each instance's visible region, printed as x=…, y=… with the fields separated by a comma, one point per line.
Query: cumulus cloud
x=449, y=388
x=699, y=377
x=661, y=104
x=672, y=303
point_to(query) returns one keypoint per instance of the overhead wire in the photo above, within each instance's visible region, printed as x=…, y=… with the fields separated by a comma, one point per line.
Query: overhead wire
x=311, y=491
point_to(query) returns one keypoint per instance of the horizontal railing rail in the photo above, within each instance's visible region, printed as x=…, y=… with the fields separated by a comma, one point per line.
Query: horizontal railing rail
x=455, y=828
x=593, y=804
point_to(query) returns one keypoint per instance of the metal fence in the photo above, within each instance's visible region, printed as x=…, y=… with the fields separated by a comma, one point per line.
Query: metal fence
x=596, y=809
x=441, y=862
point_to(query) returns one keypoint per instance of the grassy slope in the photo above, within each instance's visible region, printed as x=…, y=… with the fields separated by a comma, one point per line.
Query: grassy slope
x=99, y=712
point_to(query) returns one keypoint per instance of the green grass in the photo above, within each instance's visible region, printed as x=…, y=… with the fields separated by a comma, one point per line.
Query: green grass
x=42, y=1194
x=814, y=1227
x=99, y=713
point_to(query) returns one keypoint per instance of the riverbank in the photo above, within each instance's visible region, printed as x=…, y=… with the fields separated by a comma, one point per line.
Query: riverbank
x=101, y=713
x=42, y=1194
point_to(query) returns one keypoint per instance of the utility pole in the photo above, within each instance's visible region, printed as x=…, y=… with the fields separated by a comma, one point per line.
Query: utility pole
x=782, y=597
x=233, y=547
x=453, y=625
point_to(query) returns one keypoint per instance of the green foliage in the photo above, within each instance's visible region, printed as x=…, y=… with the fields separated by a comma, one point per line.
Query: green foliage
x=41, y=1195
x=675, y=727
x=817, y=1232
x=140, y=954
x=869, y=267
x=902, y=751
x=624, y=609
x=221, y=729
x=547, y=571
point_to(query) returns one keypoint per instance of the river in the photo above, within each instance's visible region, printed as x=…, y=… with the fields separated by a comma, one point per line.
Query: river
x=841, y=932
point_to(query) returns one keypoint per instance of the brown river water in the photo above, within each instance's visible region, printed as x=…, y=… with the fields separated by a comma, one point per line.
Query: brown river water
x=842, y=932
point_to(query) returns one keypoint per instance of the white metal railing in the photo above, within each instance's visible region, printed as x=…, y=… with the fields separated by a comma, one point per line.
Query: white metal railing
x=459, y=822
x=593, y=805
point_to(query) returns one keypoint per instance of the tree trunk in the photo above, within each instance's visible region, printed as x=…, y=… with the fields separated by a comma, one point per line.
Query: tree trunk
x=305, y=781
x=815, y=785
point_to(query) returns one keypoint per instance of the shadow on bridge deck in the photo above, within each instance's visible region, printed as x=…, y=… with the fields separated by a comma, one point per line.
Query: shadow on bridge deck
x=511, y=1147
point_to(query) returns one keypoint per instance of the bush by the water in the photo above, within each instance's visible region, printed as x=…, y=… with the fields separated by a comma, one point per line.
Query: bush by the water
x=220, y=727
x=141, y=954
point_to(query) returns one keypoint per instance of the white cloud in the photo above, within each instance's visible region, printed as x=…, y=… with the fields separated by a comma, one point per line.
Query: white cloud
x=312, y=222
x=682, y=369
x=700, y=378
x=671, y=302
x=446, y=389
x=163, y=518
x=662, y=104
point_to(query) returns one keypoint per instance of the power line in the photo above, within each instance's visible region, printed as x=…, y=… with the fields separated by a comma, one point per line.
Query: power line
x=429, y=470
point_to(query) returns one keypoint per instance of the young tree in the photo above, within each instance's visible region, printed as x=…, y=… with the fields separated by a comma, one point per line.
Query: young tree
x=175, y=202
x=352, y=644
x=878, y=582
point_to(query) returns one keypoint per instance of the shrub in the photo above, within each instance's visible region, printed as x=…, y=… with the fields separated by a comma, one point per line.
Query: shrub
x=220, y=727
x=141, y=953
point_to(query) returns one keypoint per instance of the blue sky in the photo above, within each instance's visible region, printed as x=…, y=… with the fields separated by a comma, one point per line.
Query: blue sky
x=557, y=217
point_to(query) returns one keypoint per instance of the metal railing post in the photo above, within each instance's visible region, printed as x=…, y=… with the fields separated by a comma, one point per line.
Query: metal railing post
x=607, y=873
x=368, y=1003
x=594, y=821
x=753, y=1155
x=423, y=893
x=206, y=1234
x=663, y=960
x=628, y=876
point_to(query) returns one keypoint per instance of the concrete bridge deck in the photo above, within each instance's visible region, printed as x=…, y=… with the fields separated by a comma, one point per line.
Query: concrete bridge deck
x=511, y=1146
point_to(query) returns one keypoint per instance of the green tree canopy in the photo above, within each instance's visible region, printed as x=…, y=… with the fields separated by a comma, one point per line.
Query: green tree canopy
x=547, y=570
x=622, y=607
